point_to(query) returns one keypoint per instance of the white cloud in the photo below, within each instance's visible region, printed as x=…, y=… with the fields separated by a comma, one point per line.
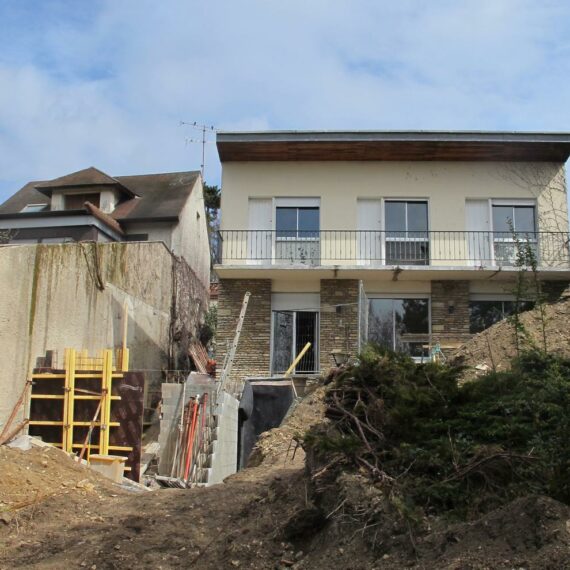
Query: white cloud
x=109, y=88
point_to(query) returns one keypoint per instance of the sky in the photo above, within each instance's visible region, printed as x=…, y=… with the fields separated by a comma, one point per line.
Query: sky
x=107, y=83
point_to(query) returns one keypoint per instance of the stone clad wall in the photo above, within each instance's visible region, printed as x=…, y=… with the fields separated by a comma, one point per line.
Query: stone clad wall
x=253, y=352
x=450, y=311
x=339, y=319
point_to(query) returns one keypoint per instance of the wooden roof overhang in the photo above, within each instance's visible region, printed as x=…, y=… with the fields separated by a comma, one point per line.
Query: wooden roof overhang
x=394, y=146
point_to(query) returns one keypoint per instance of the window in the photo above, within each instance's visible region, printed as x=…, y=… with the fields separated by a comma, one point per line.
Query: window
x=407, y=238
x=297, y=223
x=292, y=330
x=32, y=208
x=297, y=234
x=483, y=314
x=77, y=201
x=402, y=325
x=518, y=219
x=510, y=223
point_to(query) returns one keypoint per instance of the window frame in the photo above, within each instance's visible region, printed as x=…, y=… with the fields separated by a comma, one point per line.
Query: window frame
x=25, y=210
x=513, y=204
x=499, y=237
x=403, y=296
x=315, y=345
x=406, y=201
x=298, y=237
x=499, y=298
x=386, y=239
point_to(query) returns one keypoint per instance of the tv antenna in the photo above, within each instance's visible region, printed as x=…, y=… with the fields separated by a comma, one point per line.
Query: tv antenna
x=203, y=129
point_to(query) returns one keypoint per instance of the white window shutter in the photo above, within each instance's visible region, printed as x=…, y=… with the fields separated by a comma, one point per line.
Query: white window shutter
x=260, y=235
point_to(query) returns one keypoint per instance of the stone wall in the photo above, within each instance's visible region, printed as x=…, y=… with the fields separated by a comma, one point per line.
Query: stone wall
x=339, y=319
x=72, y=295
x=450, y=311
x=253, y=352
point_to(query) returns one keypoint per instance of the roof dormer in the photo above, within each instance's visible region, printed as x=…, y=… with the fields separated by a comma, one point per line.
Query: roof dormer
x=72, y=191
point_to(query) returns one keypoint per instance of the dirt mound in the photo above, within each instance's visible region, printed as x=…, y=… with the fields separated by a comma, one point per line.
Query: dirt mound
x=277, y=446
x=45, y=484
x=531, y=533
x=495, y=347
x=262, y=518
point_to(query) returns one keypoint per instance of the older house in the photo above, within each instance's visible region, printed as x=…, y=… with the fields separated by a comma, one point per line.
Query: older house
x=403, y=238
x=90, y=205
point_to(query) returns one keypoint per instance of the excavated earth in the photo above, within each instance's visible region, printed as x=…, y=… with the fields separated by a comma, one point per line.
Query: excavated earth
x=57, y=514
x=495, y=347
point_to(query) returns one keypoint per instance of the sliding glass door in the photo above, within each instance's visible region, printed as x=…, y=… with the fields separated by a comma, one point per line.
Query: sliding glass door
x=402, y=325
x=292, y=330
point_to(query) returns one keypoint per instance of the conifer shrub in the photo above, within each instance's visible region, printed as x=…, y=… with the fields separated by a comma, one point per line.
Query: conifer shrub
x=436, y=446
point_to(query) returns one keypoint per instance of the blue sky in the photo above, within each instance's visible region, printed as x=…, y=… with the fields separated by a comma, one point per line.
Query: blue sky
x=107, y=82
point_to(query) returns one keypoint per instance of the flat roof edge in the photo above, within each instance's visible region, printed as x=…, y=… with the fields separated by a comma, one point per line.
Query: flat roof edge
x=396, y=136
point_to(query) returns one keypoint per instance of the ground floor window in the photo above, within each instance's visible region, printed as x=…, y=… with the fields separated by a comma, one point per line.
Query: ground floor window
x=400, y=324
x=483, y=314
x=292, y=330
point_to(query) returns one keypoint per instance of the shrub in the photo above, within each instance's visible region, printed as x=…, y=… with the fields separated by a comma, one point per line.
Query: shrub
x=443, y=447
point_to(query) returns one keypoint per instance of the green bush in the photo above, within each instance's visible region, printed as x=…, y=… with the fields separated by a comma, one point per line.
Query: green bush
x=446, y=447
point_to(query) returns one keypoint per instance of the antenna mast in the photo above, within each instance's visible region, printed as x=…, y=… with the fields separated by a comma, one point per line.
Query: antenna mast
x=204, y=129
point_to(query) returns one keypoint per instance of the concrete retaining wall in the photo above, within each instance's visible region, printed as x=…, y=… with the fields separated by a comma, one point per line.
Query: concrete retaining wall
x=224, y=456
x=72, y=295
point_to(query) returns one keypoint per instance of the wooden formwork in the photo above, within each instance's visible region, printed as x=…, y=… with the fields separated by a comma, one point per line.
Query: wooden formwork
x=76, y=406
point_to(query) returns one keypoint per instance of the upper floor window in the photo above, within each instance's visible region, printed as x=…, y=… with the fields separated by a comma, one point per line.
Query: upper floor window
x=406, y=216
x=76, y=201
x=513, y=223
x=513, y=218
x=407, y=238
x=297, y=222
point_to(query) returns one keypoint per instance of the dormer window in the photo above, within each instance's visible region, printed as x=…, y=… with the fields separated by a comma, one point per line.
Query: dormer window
x=32, y=208
x=76, y=201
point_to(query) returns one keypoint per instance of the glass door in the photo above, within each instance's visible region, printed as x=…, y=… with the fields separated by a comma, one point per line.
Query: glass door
x=401, y=325
x=297, y=236
x=292, y=330
x=512, y=224
x=407, y=238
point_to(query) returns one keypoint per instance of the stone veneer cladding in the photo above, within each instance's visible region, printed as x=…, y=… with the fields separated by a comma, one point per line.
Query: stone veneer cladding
x=450, y=311
x=338, y=330
x=253, y=352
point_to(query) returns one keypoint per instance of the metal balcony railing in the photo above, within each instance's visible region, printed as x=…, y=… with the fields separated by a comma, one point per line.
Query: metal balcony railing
x=389, y=248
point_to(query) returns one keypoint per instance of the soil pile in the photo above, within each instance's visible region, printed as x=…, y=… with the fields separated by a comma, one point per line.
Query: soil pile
x=44, y=482
x=494, y=348
x=264, y=518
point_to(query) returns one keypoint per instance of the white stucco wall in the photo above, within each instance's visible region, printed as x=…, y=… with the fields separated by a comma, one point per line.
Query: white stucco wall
x=190, y=235
x=446, y=185
x=157, y=231
x=50, y=301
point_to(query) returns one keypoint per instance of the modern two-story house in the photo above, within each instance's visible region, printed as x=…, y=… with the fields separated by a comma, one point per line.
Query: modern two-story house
x=406, y=239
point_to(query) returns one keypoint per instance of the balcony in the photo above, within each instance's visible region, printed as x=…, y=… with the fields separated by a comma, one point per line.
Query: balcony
x=389, y=250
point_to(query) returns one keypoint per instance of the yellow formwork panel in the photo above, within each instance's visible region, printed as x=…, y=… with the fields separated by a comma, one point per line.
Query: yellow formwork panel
x=106, y=367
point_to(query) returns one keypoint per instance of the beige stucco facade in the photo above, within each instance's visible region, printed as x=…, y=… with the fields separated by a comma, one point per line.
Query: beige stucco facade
x=446, y=186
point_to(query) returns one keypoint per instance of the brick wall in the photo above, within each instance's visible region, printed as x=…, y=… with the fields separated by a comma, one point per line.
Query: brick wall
x=253, y=352
x=339, y=330
x=450, y=311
